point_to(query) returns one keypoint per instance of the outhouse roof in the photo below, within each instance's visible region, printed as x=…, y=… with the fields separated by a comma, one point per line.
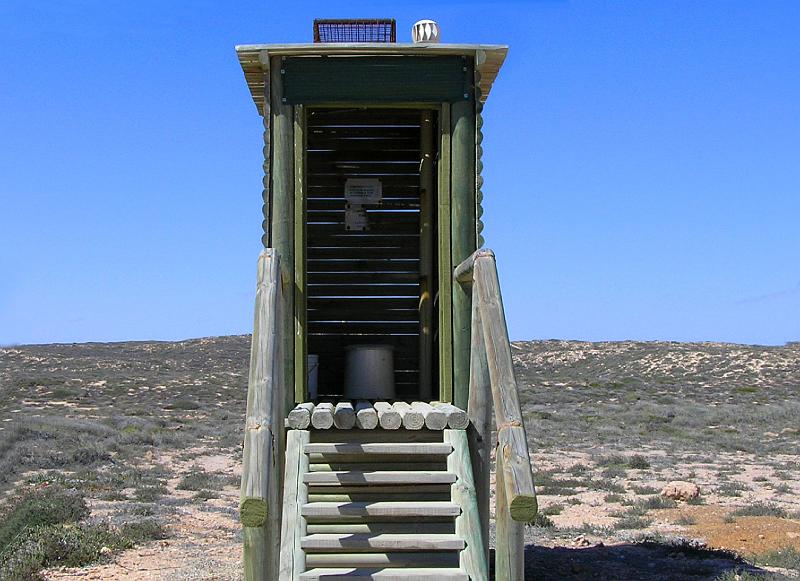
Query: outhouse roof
x=254, y=58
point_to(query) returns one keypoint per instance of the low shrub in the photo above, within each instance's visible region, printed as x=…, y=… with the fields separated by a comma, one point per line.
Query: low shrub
x=760, y=508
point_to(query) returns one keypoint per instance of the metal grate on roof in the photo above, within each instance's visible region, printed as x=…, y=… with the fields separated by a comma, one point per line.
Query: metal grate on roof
x=355, y=30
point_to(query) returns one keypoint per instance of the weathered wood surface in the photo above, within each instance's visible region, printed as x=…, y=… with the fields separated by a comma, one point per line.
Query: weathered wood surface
x=382, y=542
x=457, y=419
x=300, y=417
x=295, y=496
x=509, y=552
x=393, y=574
x=412, y=418
x=344, y=416
x=261, y=470
x=334, y=510
x=445, y=259
x=434, y=418
x=512, y=442
x=381, y=560
x=479, y=411
x=397, y=528
x=473, y=559
x=388, y=417
x=462, y=156
x=322, y=418
x=403, y=448
x=361, y=478
x=366, y=416
x=282, y=230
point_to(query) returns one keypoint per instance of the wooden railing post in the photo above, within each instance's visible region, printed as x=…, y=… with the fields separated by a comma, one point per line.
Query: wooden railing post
x=259, y=506
x=515, y=494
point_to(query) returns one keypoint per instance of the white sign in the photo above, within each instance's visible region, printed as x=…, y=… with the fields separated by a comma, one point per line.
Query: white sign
x=363, y=190
x=355, y=218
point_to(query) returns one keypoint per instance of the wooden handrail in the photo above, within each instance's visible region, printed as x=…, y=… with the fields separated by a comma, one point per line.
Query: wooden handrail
x=492, y=368
x=260, y=504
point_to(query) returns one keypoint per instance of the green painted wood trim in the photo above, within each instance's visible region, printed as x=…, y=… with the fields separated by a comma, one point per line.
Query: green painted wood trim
x=371, y=79
x=282, y=232
x=463, y=200
x=300, y=312
x=445, y=263
x=266, y=197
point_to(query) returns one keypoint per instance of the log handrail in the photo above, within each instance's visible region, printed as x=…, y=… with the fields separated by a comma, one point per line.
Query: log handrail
x=491, y=368
x=260, y=503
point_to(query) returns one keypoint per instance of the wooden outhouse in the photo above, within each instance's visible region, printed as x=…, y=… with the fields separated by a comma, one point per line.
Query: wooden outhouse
x=372, y=230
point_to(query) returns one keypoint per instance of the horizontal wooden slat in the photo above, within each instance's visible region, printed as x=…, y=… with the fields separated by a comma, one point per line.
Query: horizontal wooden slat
x=382, y=527
x=371, y=448
x=358, y=477
x=368, y=496
x=415, y=509
x=362, y=290
x=381, y=542
x=388, y=574
x=416, y=559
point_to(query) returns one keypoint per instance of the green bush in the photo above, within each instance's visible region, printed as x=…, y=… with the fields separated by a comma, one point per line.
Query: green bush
x=638, y=462
x=761, y=509
x=45, y=505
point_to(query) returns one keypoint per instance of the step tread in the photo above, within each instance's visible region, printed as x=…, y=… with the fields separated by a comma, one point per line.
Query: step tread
x=389, y=574
x=409, y=448
x=360, y=477
x=381, y=542
x=381, y=508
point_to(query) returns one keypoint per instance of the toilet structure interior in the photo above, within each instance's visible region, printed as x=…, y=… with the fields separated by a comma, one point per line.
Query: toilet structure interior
x=370, y=232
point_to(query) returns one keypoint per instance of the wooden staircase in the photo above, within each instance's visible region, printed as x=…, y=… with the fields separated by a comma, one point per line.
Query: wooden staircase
x=381, y=505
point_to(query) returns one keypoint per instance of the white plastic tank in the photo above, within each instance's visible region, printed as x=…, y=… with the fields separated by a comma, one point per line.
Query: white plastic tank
x=369, y=372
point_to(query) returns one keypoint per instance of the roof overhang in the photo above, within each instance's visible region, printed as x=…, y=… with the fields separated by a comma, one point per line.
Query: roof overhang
x=254, y=58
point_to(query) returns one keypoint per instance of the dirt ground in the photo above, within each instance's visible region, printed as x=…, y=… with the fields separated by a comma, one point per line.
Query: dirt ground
x=609, y=424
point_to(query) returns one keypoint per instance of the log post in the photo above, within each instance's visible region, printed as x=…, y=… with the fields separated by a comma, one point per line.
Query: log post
x=509, y=552
x=480, y=418
x=511, y=438
x=259, y=506
x=462, y=154
x=282, y=233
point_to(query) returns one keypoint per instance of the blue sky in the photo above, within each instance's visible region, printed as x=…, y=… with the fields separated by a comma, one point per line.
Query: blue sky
x=642, y=165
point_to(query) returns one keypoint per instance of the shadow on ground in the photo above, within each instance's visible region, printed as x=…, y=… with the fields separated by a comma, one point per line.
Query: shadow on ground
x=630, y=562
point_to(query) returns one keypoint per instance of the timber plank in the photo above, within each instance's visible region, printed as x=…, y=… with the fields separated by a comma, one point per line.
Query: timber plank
x=361, y=478
x=381, y=542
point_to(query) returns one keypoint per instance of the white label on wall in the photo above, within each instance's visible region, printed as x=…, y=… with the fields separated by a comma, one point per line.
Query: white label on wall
x=363, y=190
x=355, y=218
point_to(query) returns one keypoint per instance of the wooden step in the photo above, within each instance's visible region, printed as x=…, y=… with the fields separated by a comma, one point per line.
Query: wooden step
x=360, y=478
x=388, y=509
x=383, y=560
x=407, y=448
x=357, y=574
x=368, y=543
